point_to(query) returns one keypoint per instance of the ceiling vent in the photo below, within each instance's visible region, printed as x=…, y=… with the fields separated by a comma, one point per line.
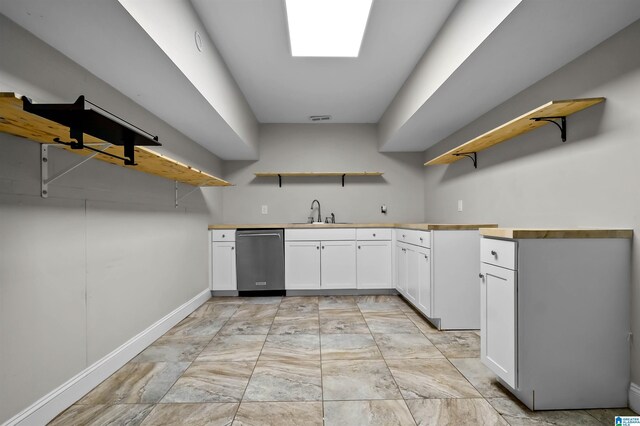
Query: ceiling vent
x=319, y=117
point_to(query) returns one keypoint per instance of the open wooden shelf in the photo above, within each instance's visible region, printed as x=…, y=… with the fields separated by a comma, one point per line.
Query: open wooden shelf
x=279, y=175
x=517, y=126
x=14, y=120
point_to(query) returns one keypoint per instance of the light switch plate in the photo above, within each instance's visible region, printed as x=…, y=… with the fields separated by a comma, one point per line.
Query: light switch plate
x=265, y=209
x=459, y=205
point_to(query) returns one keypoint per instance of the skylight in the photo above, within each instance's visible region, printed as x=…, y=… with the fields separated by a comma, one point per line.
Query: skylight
x=327, y=28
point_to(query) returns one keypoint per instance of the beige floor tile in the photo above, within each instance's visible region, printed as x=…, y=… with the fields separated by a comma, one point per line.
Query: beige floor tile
x=517, y=414
x=267, y=300
x=173, y=349
x=240, y=326
x=233, y=348
x=344, y=324
x=255, y=312
x=608, y=415
x=306, y=324
x=215, y=414
x=197, y=327
x=98, y=415
x=298, y=380
x=215, y=311
x=457, y=344
x=291, y=347
x=367, y=413
x=406, y=346
x=136, y=382
x=423, y=325
x=356, y=380
x=430, y=378
x=279, y=414
x=337, y=302
x=331, y=313
x=480, y=377
x=211, y=382
x=227, y=300
x=349, y=346
x=390, y=323
x=470, y=411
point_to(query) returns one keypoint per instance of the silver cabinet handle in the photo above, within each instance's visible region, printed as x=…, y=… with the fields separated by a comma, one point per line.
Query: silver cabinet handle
x=317, y=247
x=223, y=235
x=374, y=235
x=494, y=253
x=481, y=276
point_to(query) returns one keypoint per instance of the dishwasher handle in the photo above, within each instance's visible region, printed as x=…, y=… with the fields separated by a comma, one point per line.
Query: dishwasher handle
x=260, y=235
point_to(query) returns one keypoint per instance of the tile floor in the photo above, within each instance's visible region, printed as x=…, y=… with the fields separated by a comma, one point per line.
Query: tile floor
x=367, y=360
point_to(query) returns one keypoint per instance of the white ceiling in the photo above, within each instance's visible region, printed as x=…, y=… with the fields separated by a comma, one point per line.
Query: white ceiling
x=146, y=51
x=251, y=36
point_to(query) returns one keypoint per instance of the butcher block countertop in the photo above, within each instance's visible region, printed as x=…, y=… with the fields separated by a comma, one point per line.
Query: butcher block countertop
x=417, y=226
x=523, y=233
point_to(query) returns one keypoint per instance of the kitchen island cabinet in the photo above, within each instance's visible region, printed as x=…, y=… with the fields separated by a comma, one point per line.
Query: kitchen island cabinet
x=555, y=315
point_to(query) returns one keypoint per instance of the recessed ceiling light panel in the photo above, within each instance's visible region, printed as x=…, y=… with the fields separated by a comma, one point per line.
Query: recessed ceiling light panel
x=327, y=28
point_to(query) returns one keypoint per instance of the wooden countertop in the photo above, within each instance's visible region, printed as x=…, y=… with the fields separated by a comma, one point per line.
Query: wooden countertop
x=523, y=233
x=416, y=226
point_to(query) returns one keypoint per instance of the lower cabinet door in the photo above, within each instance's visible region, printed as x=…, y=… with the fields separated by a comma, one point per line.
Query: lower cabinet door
x=413, y=261
x=401, y=269
x=373, y=262
x=498, y=321
x=424, y=282
x=302, y=265
x=338, y=264
x=223, y=266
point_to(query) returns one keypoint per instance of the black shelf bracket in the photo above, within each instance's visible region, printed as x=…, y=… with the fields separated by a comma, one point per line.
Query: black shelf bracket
x=94, y=121
x=279, y=180
x=471, y=155
x=343, y=175
x=562, y=125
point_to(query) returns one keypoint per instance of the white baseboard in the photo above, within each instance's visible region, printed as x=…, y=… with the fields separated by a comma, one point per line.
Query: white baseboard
x=634, y=397
x=58, y=400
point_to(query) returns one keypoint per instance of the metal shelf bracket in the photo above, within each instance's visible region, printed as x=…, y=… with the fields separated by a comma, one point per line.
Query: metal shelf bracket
x=562, y=125
x=343, y=180
x=471, y=155
x=45, y=180
x=178, y=198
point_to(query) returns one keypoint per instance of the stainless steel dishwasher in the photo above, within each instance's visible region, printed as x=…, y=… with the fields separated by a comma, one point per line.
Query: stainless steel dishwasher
x=260, y=259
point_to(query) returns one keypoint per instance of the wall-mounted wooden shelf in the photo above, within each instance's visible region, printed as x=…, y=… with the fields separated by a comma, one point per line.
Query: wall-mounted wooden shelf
x=279, y=175
x=14, y=120
x=549, y=112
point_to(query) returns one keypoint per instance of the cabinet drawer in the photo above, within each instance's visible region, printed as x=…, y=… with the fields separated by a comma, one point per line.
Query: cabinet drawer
x=373, y=234
x=498, y=252
x=411, y=236
x=320, y=234
x=224, y=235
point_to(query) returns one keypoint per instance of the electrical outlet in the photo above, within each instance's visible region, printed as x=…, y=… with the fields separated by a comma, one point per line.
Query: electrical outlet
x=459, y=205
x=265, y=209
x=383, y=209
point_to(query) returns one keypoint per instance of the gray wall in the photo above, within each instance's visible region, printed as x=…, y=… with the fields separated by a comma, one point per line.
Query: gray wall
x=106, y=255
x=324, y=147
x=537, y=181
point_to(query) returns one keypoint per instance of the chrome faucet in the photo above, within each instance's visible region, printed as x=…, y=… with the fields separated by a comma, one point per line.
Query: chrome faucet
x=319, y=214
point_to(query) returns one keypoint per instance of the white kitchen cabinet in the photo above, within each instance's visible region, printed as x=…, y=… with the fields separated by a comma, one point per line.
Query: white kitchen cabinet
x=555, y=316
x=402, y=266
x=318, y=259
x=302, y=265
x=413, y=278
x=338, y=264
x=223, y=266
x=373, y=260
x=498, y=298
x=424, y=281
x=440, y=275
